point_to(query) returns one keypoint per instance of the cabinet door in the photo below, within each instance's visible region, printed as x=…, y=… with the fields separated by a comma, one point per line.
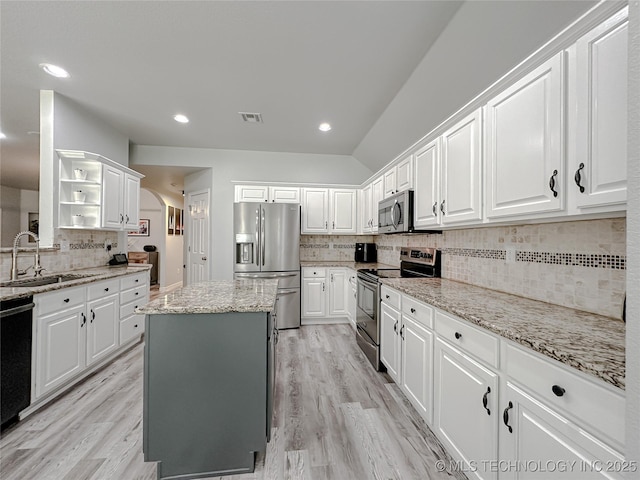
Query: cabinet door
x=103, y=319
x=466, y=427
x=343, y=211
x=366, y=217
x=404, y=174
x=417, y=366
x=533, y=434
x=284, y=194
x=600, y=166
x=524, y=144
x=461, y=171
x=390, y=340
x=251, y=193
x=390, y=182
x=112, y=197
x=60, y=348
x=377, y=194
x=427, y=186
x=315, y=210
x=337, y=292
x=132, y=202
x=314, y=299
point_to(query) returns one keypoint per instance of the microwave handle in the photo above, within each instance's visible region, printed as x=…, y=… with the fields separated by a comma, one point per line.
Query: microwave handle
x=393, y=209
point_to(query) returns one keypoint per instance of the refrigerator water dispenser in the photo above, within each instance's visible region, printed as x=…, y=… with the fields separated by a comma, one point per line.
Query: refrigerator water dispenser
x=244, y=248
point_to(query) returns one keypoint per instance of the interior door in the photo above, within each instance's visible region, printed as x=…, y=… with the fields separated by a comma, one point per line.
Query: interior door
x=198, y=237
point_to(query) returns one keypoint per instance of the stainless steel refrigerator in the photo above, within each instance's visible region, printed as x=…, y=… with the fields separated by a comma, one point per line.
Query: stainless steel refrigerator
x=267, y=245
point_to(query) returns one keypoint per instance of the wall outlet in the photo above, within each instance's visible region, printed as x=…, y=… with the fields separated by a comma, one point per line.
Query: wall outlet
x=510, y=255
x=64, y=245
x=107, y=245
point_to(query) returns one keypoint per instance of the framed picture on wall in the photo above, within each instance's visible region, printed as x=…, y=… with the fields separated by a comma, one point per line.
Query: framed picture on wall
x=143, y=229
x=171, y=219
x=181, y=222
x=178, y=228
x=34, y=225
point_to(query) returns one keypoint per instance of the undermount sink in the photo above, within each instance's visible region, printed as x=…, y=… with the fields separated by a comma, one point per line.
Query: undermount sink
x=39, y=281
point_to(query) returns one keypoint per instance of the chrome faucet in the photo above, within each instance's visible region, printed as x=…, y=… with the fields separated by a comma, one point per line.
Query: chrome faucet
x=37, y=268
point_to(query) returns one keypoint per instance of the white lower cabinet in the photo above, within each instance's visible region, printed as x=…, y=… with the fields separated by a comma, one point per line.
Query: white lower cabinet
x=390, y=340
x=75, y=329
x=324, y=295
x=102, y=327
x=351, y=292
x=537, y=442
x=60, y=349
x=466, y=404
x=502, y=411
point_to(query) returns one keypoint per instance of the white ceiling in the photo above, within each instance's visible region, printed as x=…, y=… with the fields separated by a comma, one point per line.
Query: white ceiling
x=136, y=64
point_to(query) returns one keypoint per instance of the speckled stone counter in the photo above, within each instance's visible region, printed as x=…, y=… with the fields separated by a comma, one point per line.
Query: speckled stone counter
x=217, y=296
x=87, y=275
x=342, y=264
x=588, y=342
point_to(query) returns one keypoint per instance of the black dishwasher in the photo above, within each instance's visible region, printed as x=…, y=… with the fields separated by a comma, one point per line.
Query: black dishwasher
x=15, y=358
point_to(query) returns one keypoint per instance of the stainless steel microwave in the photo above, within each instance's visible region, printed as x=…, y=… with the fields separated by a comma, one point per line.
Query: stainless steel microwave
x=395, y=213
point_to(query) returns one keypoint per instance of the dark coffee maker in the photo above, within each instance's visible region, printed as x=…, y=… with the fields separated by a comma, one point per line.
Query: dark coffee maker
x=366, y=252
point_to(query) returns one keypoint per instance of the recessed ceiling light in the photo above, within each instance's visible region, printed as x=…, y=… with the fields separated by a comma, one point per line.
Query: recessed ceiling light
x=2, y=135
x=181, y=118
x=54, y=70
x=324, y=127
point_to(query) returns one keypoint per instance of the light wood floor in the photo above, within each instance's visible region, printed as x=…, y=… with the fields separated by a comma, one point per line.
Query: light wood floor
x=335, y=419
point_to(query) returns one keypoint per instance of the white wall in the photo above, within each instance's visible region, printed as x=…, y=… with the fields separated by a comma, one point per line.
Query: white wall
x=64, y=124
x=234, y=165
x=10, y=201
x=483, y=41
x=633, y=242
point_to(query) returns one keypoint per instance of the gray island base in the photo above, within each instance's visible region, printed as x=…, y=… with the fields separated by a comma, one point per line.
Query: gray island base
x=208, y=382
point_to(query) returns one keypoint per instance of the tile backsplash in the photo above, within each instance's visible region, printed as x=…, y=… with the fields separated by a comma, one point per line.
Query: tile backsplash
x=579, y=264
x=86, y=250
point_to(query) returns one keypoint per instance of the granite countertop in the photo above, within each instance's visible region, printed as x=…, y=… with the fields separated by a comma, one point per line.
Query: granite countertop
x=86, y=275
x=217, y=296
x=345, y=264
x=588, y=342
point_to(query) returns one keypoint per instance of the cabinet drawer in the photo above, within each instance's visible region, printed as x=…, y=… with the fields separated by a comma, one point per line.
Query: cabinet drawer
x=482, y=345
x=420, y=312
x=132, y=281
x=133, y=294
x=59, y=300
x=129, y=309
x=131, y=327
x=102, y=289
x=597, y=405
x=390, y=297
x=313, y=272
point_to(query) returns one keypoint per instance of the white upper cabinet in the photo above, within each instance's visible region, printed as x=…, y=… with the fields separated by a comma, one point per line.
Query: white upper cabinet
x=329, y=210
x=343, y=210
x=315, y=210
x=263, y=193
x=366, y=216
x=599, y=169
x=399, y=177
x=427, y=182
x=461, y=171
x=96, y=193
x=524, y=144
x=112, y=200
x=377, y=194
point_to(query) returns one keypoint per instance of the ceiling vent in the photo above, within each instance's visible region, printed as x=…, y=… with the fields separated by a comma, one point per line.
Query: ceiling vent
x=251, y=117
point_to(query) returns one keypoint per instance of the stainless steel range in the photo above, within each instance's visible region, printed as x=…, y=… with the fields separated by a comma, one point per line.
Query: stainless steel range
x=414, y=262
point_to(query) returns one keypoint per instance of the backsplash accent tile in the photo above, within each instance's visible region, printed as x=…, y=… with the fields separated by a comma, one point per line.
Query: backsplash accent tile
x=577, y=264
x=86, y=250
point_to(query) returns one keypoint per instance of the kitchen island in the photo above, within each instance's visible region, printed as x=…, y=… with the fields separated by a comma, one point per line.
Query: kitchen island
x=208, y=377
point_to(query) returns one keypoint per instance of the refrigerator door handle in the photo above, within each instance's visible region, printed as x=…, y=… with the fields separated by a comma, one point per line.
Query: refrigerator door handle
x=287, y=291
x=262, y=275
x=256, y=250
x=262, y=235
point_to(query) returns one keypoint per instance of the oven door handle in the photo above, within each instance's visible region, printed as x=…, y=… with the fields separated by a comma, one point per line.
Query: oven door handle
x=368, y=282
